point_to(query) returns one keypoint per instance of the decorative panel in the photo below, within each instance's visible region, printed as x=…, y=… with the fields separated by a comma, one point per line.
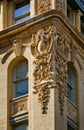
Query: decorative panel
x=19, y=106
x=71, y=111
x=43, y=6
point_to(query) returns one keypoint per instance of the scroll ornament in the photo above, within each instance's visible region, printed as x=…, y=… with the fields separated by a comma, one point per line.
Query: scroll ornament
x=41, y=45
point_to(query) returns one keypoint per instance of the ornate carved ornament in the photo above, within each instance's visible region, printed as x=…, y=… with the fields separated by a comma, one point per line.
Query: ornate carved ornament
x=19, y=106
x=41, y=45
x=60, y=56
x=50, y=51
x=17, y=48
x=43, y=6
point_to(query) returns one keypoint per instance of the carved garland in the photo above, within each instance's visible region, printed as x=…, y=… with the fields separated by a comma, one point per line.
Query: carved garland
x=40, y=47
x=43, y=6
x=50, y=50
x=60, y=51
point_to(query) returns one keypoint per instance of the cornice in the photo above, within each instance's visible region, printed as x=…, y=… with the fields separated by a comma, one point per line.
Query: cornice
x=53, y=16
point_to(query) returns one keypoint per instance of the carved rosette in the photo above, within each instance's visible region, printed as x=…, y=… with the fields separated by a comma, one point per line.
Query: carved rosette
x=41, y=45
x=60, y=51
x=43, y=6
x=17, y=46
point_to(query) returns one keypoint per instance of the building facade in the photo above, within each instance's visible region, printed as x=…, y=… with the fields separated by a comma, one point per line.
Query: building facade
x=41, y=65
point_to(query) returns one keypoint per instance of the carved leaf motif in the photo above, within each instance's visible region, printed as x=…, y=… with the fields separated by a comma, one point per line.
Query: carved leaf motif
x=43, y=81
x=60, y=55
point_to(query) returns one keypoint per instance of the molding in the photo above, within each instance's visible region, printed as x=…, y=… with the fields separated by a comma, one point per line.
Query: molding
x=19, y=118
x=54, y=16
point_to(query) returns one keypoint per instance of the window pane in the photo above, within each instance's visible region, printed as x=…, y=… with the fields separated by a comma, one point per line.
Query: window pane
x=22, y=8
x=22, y=19
x=70, y=78
x=22, y=127
x=21, y=70
x=21, y=88
x=70, y=127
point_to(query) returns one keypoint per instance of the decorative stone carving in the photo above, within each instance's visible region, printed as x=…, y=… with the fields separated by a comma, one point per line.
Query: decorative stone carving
x=71, y=111
x=51, y=52
x=60, y=51
x=43, y=6
x=17, y=46
x=18, y=106
x=61, y=5
x=41, y=45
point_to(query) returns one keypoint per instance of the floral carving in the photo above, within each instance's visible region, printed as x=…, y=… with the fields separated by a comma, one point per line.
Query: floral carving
x=41, y=45
x=51, y=52
x=43, y=6
x=60, y=51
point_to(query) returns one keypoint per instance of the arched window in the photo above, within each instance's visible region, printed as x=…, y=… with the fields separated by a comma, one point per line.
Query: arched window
x=71, y=85
x=20, y=79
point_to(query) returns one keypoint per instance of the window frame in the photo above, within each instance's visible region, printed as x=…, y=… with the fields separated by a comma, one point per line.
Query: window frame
x=16, y=124
x=74, y=90
x=16, y=19
x=14, y=80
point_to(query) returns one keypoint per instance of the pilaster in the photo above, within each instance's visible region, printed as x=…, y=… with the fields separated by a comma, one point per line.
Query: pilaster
x=77, y=20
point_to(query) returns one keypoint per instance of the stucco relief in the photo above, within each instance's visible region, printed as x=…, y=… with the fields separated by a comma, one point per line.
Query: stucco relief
x=18, y=106
x=60, y=51
x=43, y=6
x=50, y=50
x=41, y=45
x=17, y=46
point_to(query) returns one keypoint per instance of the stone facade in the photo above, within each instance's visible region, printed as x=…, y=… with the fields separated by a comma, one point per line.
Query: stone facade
x=49, y=42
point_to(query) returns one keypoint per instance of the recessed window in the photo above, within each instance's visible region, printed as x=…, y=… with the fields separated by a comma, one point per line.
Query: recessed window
x=82, y=24
x=22, y=11
x=20, y=80
x=71, y=85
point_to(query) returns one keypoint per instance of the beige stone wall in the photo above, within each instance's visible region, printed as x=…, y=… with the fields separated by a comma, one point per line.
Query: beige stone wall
x=52, y=26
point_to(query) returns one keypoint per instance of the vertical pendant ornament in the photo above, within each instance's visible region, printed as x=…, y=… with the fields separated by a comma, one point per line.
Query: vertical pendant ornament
x=41, y=45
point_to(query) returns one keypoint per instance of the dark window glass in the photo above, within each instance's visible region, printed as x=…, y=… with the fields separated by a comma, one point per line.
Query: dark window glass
x=21, y=127
x=69, y=127
x=71, y=85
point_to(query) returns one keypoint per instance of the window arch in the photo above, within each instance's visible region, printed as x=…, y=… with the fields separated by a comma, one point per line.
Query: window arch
x=72, y=84
x=20, y=79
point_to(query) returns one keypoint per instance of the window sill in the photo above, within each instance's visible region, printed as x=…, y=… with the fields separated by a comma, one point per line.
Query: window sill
x=18, y=98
